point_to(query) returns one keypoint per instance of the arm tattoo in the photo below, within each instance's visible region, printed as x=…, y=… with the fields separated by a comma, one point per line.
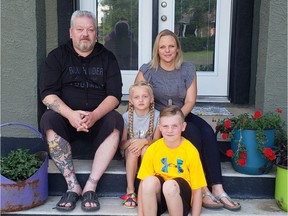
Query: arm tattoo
x=55, y=106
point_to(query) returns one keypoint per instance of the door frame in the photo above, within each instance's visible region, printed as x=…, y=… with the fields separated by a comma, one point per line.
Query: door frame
x=217, y=79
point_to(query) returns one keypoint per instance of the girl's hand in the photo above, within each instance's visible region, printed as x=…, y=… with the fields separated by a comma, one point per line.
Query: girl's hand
x=136, y=145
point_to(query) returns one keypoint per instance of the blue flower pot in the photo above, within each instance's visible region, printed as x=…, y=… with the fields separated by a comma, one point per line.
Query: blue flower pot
x=256, y=162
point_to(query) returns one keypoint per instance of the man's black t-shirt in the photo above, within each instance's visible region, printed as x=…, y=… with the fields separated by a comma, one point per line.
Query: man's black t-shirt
x=81, y=82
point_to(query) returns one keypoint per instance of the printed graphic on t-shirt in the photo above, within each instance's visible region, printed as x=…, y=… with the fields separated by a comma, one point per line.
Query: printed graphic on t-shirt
x=172, y=167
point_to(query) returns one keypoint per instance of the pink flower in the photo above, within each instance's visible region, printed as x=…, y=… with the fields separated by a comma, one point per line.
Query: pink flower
x=278, y=110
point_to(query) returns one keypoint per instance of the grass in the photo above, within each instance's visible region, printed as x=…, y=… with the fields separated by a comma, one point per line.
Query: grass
x=198, y=55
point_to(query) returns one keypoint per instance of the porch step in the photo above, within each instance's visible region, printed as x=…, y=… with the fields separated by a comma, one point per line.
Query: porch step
x=112, y=206
x=255, y=193
x=113, y=182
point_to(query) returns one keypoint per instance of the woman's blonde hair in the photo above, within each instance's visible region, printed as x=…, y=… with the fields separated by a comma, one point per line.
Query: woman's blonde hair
x=155, y=61
x=131, y=110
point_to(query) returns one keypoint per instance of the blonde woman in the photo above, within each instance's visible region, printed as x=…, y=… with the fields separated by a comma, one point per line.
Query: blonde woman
x=175, y=82
x=140, y=130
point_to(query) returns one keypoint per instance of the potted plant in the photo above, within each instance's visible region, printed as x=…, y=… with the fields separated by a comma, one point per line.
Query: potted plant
x=281, y=192
x=19, y=165
x=252, y=138
x=24, y=177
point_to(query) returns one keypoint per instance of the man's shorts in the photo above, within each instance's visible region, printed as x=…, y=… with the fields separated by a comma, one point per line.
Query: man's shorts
x=96, y=135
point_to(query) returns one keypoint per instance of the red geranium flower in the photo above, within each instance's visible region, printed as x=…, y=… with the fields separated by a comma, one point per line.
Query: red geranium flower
x=272, y=157
x=279, y=110
x=257, y=114
x=224, y=136
x=227, y=123
x=229, y=153
x=243, y=155
x=268, y=152
x=241, y=162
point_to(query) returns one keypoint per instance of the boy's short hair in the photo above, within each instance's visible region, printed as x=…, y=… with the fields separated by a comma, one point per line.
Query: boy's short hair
x=172, y=110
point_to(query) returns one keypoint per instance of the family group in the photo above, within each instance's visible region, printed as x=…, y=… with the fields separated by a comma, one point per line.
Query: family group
x=171, y=151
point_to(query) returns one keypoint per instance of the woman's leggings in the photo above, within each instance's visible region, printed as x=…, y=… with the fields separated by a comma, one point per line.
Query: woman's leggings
x=201, y=134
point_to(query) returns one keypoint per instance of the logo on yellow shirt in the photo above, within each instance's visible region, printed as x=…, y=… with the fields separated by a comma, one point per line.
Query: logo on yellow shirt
x=178, y=165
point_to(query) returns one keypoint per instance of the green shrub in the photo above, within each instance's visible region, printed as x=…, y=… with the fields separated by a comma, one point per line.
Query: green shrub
x=19, y=165
x=193, y=43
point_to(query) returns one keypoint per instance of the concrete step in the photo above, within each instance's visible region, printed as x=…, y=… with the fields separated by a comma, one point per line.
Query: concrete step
x=113, y=182
x=112, y=206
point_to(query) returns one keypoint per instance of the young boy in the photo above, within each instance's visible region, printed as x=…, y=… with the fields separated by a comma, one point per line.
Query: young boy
x=171, y=172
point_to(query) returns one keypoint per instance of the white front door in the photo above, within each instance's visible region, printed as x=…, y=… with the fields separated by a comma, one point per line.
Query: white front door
x=203, y=27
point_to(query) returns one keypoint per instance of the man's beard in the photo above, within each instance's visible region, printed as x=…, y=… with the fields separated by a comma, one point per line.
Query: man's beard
x=84, y=47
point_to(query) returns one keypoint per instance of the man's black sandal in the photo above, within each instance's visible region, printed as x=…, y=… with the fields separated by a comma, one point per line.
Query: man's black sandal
x=68, y=197
x=90, y=197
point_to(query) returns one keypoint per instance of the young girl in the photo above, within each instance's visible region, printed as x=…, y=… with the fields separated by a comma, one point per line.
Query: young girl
x=140, y=130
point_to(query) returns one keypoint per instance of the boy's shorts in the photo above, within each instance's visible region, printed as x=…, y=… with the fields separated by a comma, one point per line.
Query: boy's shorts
x=185, y=193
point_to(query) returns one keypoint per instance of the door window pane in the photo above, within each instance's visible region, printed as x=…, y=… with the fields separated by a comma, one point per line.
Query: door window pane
x=118, y=30
x=195, y=24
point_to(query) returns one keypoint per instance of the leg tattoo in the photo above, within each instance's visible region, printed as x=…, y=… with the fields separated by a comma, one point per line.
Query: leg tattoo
x=92, y=181
x=60, y=151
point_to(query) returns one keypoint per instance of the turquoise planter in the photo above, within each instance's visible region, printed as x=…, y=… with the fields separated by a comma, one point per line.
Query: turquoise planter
x=256, y=163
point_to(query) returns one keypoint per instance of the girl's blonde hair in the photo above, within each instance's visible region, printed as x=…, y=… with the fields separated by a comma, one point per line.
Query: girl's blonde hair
x=155, y=61
x=131, y=110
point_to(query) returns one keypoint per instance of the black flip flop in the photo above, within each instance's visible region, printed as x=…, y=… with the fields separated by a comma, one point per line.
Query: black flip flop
x=68, y=197
x=90, y=197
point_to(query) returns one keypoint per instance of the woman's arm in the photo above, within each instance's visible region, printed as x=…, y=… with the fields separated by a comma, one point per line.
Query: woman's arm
x=190, y=98
x=139, y=77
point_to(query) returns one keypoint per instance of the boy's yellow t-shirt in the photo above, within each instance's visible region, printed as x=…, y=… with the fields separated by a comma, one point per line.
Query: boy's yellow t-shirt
x=183, y=161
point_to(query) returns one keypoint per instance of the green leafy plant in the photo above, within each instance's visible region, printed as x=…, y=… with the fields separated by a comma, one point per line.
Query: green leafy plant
x=258, y=122
x=19, y=165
